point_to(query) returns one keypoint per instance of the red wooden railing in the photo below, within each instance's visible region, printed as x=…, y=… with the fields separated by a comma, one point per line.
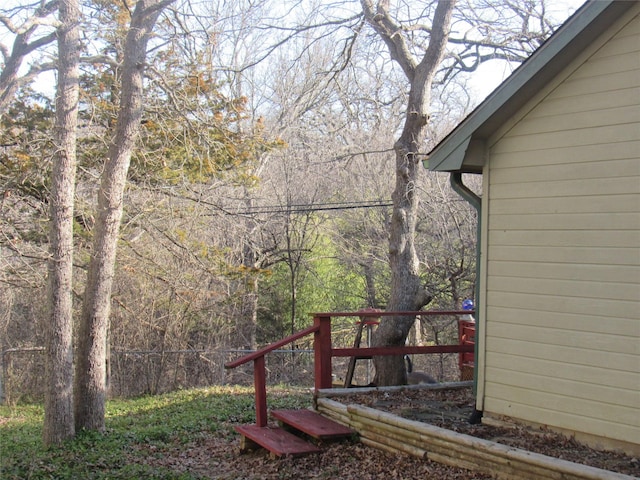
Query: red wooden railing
x=466, y=360
x=323, y=351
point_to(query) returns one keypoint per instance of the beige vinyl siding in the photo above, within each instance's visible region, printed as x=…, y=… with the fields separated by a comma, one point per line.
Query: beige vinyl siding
x=566, y=255
x=599, y=373
x=573, y=154
x=568, y=356
x=562, y=268
x=549, y=409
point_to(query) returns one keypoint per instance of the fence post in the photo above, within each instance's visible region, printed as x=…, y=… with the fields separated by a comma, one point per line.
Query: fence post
x=260, y=386
x=3, y=375
x=322, y=352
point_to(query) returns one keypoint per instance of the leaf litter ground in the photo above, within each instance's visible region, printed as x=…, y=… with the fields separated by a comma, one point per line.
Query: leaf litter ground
x=218, y=457
x=451, y=409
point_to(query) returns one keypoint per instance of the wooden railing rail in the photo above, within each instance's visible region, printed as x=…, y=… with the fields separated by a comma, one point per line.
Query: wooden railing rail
x=260, y=374
x=368, y=352
x=270, y=348
x=376, y=313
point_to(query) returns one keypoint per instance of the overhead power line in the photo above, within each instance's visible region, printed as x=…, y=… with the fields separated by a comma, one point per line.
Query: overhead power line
x=312, y=207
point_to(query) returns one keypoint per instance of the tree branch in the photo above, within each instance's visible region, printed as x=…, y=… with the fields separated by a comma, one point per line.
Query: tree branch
x=38, y=19
x=391, y=34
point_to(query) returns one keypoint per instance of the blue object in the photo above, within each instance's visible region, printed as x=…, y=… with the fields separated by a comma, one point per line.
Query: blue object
x=467, y=304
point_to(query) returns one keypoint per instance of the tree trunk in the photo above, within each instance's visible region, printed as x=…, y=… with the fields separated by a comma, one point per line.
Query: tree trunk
x=407, y=292
x=249, y=315
x=58, y=408
x=92, y=340
x=370, y=284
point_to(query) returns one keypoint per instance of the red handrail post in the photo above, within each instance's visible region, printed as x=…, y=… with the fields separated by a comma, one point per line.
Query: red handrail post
x=260, y=386
x=322, y=351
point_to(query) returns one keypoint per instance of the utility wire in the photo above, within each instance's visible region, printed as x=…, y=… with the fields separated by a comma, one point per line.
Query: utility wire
x=305, y=208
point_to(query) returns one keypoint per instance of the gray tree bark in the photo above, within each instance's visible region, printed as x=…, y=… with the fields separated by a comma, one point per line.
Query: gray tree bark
x=58, y=408
x=407, y=292
x=91, y=361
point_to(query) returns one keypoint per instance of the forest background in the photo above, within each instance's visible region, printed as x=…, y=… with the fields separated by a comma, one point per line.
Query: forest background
x=260, y=187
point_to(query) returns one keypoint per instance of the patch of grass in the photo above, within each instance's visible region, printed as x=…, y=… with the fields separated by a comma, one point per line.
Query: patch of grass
x=137, y=429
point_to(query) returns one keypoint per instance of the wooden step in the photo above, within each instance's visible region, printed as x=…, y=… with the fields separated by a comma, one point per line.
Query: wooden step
x=278, y=441
x=312, y=423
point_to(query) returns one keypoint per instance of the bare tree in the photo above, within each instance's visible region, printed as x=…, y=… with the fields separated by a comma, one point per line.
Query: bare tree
x=419, y=49
x=407, y=291
x=26, y=41
x=90, y=381
x=58, y=418
x=337, y=100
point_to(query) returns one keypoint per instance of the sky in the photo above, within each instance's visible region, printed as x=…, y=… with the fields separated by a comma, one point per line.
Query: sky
x=482, y=82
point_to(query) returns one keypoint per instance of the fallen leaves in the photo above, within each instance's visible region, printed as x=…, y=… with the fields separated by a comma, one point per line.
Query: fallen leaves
x=451, y=409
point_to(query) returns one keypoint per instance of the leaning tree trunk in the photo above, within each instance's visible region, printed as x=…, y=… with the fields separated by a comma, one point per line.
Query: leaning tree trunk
x=407, y=291
x=58, y=404
x=90, y=385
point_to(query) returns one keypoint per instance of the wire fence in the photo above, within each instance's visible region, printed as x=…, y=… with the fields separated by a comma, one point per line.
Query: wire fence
x=133, y=373
x=136, y=372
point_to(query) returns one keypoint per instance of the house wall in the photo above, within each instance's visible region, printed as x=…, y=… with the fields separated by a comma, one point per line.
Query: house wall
x=561, y=346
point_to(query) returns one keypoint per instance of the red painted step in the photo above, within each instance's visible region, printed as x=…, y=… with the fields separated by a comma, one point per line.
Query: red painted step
x=278, y=441
x=312, y=424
